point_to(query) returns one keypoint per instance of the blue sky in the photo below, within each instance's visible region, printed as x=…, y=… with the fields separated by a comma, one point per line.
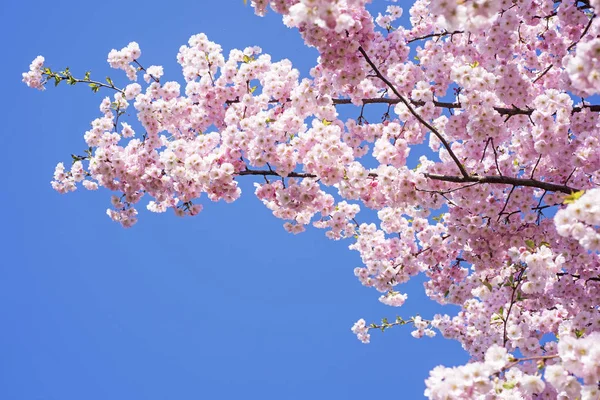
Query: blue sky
x=225, y=305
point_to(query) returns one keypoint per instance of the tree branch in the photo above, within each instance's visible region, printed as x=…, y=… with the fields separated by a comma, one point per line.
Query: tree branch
x=432, y=35
x=446, y=145
x=510, y=111
x=273, y=173
x=507, y=180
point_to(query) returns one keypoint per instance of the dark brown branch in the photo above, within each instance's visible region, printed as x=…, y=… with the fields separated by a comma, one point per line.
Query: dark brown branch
x=141, y=68
x=273, y=173
x=512, y=302
x=506, y=180
x=536, y=165
x=510, y=111
x=446, y=145
x=495, y=153
x=443, y=104
x=587, y=28
x=540, y=76
x=506, y=202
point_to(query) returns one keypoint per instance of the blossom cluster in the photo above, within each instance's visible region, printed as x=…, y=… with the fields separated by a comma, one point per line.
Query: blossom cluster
x=581, y=220
x=33, y=78
x=122, y=59
x=482, y=172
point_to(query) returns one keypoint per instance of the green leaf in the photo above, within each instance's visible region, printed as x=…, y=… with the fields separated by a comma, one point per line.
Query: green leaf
x=87, y=76
x=247, y=59
x=573, y=197
x=57, y=80
x=94, y=87
x=530, y=244
x=110, y=82
x=487, y=284
x=71, y=80
x=325, y=122
x=474, y=64
x=509, y=385
x=545, y=244
x=253, y=88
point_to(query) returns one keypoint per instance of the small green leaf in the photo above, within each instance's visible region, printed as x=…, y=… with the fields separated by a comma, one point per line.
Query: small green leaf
x=94, y=87
x=57, y=80
x=325, y=122
x=573, y=197
x=87, y=76
x=475, y=64
x=110, y=82
x=530, y=244
x=509, y=385
x=253, y=88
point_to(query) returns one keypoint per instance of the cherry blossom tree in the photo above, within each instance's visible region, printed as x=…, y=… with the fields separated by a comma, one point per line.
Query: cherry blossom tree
x=501, y=214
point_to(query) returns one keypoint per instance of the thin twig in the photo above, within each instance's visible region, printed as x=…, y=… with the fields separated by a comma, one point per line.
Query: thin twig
x=446, y=145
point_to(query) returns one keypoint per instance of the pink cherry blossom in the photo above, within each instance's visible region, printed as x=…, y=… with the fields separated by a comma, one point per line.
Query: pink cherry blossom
x=482, y=169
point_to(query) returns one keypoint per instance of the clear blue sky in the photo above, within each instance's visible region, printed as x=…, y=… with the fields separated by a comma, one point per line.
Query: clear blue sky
x=211, y=307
